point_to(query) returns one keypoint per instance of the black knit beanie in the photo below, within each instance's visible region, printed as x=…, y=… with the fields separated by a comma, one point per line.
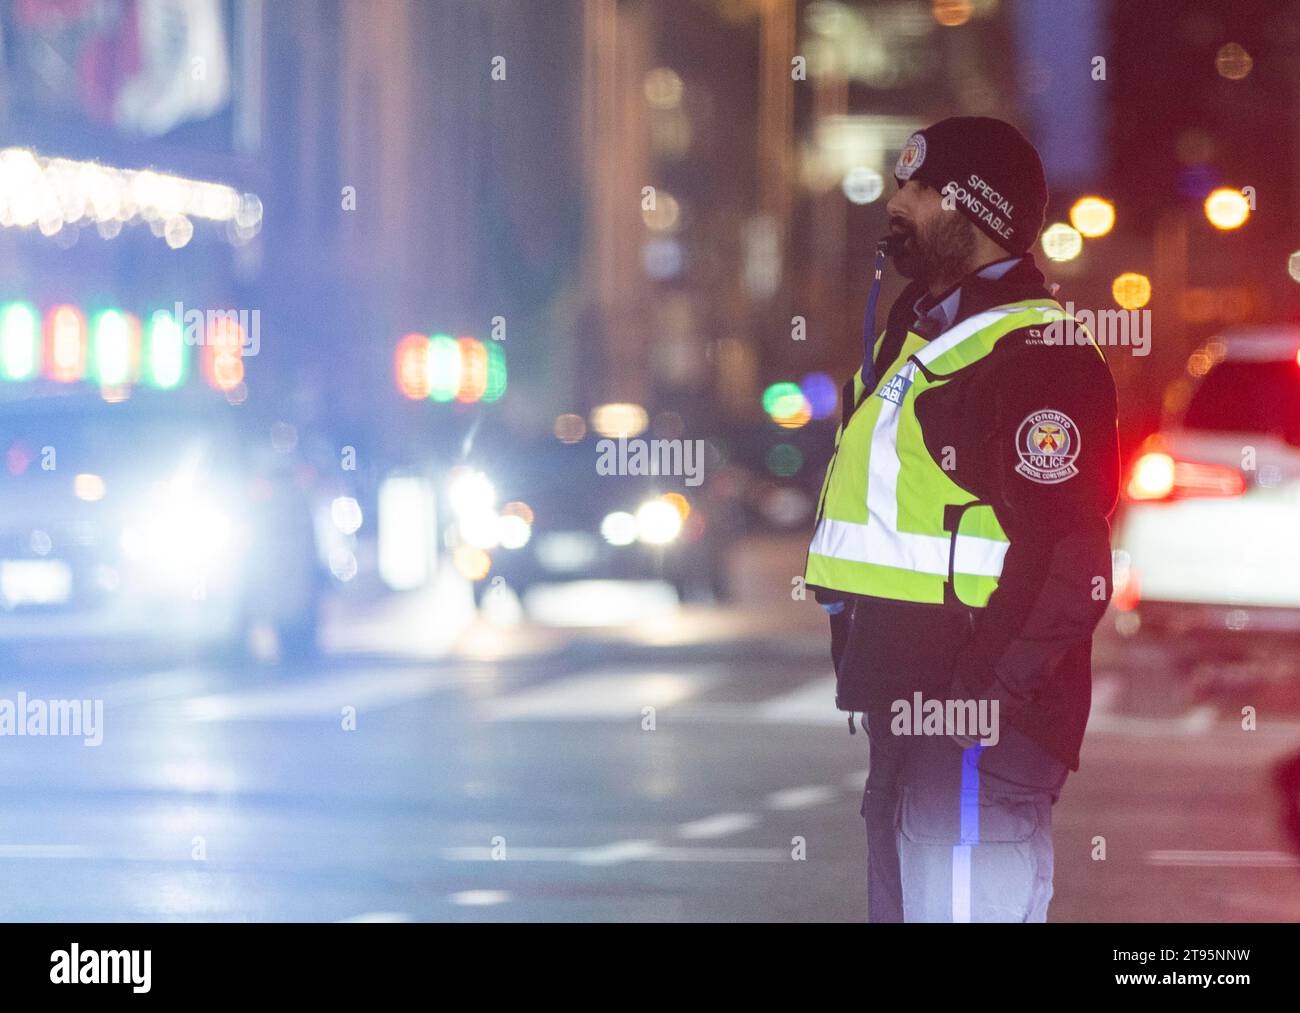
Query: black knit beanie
x=992, y=173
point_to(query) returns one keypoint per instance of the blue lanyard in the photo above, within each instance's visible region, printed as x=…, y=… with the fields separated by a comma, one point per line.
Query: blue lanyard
x=869, y=323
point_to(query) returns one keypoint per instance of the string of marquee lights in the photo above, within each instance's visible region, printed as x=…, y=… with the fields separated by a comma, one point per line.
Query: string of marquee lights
x=52, y=194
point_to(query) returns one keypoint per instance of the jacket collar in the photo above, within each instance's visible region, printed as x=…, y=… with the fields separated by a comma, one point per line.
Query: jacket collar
x=1004, y=281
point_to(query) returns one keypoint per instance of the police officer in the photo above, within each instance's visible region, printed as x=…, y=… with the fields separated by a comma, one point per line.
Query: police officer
x=962, y=544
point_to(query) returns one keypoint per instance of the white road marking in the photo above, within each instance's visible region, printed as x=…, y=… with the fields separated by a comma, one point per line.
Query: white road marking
x=480, y=898
x=1228, y=859
x=154, y=686
x=800, y=798
x=605, y=854
x=513, y=854
x=366, y=689
x=717, y=826
x=617, y=853
x=670, y=854
x=45, y=851
x=1197, y=721
x=1200, y=719
x=653, y=853
x=601, y=696
x=857, y=781
x=812, y=703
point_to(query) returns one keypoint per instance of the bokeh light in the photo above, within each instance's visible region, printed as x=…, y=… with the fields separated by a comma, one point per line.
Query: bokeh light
x=20, y=341
x=1232, y=61
x=1061, y=242
x=952, y=13
x=569, y=428
x=784, y=460
x=663, y=88
x=1227, y=208
x=411, y=364
x=66, y=357
x=1093, y=217
x=619, y=419
x=863, y=185
x=822, y=394
x=1131, y=290
x=443, y=367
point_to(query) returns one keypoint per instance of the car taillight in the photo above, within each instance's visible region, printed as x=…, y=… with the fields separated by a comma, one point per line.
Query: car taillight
x=1126, y=588
x=1152, y=477
x=1158, y=475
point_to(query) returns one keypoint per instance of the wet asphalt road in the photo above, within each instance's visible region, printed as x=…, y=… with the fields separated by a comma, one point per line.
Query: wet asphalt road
x=601, y=777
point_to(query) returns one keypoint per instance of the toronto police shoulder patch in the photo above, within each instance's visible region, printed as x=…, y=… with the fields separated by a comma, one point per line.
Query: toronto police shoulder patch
x=1048, y=444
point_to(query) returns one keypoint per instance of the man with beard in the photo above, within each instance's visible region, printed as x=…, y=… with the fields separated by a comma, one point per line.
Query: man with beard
x=962, y=544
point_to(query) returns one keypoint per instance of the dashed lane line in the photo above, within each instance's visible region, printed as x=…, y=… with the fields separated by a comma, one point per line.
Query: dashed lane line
x=720, y=825
x=618, y=695
x=789, y=799
x=1225, y=859
x=620, y=852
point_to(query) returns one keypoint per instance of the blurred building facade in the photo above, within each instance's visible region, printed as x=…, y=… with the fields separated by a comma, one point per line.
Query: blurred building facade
x=670, y=202
x=423, y=156
x=128, y=87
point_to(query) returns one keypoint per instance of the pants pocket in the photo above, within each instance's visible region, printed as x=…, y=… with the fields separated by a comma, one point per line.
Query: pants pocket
x=987, y=860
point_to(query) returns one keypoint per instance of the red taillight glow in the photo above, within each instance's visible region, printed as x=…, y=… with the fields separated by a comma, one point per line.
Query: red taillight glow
x=1157, y=475
x=223, y=355
x=412, y=366
x=1152, y=477
x=1127, y=592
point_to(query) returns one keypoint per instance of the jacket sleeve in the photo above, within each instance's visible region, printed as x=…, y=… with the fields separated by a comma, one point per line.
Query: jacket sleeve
x=1051, y=463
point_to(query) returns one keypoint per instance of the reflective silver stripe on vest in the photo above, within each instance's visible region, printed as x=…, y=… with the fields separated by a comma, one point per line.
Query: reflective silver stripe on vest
x=954, y=336
x=861, y=543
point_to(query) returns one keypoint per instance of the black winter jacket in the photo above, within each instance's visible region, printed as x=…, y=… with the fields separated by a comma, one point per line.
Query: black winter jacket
x=1031, y=646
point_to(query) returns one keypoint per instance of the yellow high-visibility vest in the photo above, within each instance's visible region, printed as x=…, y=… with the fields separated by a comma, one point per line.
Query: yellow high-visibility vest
x=881, y=518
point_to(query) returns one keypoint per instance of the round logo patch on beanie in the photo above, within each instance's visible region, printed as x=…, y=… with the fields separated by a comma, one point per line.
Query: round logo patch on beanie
x=911, y=157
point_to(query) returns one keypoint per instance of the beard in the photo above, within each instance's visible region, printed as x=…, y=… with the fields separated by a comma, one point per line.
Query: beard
x=937, y=253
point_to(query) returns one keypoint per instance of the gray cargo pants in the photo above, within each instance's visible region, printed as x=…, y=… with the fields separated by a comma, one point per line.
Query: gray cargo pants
x=959, y=835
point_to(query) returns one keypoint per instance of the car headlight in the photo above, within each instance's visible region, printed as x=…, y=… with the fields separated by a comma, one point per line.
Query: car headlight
x=658, y=522
x=179, y=535
x=481, y=529
x=514, y=531
x=471, y=492
x=345, y=511
x=618, y=528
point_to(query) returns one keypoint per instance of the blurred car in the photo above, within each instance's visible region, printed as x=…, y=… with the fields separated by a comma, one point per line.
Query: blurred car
x=147, y=520
x=779, y=469
x=1206, y=535
x=538, y=512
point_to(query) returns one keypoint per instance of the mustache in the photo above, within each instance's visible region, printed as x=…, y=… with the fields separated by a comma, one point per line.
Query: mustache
x=891, y=243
